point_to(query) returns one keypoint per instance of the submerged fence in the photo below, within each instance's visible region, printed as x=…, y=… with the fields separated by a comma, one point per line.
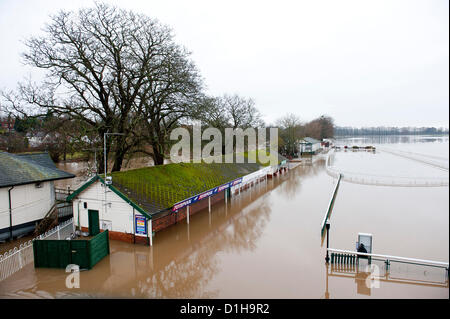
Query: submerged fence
x=380, y=180
x=438, y=162
x=18, y=257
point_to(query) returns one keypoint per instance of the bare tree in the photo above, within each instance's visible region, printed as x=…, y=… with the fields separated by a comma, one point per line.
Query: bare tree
x=101, y=65
x=291, y=131
x=320, y=128
x=168, y=98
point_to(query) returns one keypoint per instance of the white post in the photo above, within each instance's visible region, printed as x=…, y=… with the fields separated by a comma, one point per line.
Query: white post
x=20, y=258
x=209, y=203
x=187, y=214
x=226, y=199
x=57, y=229
x=150, y=230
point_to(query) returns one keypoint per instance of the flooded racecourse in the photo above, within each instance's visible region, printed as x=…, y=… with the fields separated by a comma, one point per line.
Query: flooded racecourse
x=266, y=243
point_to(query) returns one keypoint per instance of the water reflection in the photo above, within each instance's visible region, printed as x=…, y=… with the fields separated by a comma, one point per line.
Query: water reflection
x=369, y=278
x=182, y=261
x=299, y=175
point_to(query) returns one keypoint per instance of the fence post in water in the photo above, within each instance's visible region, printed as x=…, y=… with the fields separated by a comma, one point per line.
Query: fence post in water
x=150, y=231
x=187, y=213
x=209, y=203
x=57, y=229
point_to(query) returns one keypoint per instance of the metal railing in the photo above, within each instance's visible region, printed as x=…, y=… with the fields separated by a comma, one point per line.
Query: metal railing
x=422, y=158
x=380, y=180
x=331, y=204
x=388, y=258
x=18, y=257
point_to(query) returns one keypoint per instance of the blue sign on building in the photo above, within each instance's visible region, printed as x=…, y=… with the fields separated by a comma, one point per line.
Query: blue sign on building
x=141, y=225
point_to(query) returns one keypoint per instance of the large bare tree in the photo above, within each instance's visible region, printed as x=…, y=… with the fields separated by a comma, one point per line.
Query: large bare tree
x=102, y=64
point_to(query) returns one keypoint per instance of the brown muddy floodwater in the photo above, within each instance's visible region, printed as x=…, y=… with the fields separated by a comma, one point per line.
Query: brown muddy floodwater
x=266, y=243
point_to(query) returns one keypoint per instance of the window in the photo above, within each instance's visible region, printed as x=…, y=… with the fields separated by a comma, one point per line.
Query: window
x=38, y=185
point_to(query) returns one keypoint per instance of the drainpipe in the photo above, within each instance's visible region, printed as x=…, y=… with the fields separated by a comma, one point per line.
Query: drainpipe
x=10, y=213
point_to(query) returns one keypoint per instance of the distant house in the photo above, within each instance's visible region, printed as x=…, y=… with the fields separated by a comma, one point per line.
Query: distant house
x=36, y=139
x=7, y=124
x=309, y=145
x=26, y=191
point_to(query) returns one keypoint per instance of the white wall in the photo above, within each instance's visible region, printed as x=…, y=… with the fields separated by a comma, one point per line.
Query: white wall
x=253, y=176
x=28, y=203
x=316, y=146
x=119, y=216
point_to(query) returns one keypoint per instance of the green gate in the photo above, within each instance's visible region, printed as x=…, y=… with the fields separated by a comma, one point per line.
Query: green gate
x=59, y=253
x=51, y=253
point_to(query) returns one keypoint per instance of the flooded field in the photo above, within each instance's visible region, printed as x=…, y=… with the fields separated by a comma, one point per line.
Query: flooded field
x=266, y=242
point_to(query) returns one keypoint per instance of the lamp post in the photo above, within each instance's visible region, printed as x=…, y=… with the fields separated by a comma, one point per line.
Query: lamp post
x=327, y=258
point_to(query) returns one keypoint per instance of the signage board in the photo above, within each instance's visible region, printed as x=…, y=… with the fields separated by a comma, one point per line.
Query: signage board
x=140, y=225
x=206, y=194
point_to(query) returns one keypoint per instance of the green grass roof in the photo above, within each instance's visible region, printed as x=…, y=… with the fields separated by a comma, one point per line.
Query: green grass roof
x=158, y=187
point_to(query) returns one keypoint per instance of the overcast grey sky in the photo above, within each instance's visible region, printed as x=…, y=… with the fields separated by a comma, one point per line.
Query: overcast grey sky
x=365, y=63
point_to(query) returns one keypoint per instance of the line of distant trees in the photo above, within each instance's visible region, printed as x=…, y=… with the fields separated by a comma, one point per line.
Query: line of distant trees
x=382, y=130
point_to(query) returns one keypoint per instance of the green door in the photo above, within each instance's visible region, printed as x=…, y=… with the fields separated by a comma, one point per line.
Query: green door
x=94, y=223
x=80, y=253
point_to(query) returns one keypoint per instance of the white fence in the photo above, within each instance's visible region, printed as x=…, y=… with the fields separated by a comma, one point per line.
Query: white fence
x=438, y=162
x=18, y=257
x=380, y=180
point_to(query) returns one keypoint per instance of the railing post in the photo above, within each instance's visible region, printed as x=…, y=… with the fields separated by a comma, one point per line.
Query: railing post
x=327, y=258
x=20, y=258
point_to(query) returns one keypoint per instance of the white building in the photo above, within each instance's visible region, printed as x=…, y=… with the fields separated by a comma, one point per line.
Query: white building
x=101, y=206
x=27, y=191
x=309, y=145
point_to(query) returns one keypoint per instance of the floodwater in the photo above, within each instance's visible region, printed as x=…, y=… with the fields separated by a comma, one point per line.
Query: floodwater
x=266, y=243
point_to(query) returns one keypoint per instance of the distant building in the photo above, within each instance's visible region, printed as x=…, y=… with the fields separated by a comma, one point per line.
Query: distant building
x=309, y=145
x=7, y=124
x=26, y=191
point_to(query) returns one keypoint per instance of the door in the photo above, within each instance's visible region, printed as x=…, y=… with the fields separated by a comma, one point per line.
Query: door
x=94, y=223
x=80, y=253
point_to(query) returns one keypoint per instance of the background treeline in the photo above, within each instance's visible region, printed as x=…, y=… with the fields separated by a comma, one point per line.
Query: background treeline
x=382, y=130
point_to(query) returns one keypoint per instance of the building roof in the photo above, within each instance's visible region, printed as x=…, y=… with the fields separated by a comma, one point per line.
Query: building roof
x=28, y=168
x=42, y=158
x=310, y=140
x=156, y=188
